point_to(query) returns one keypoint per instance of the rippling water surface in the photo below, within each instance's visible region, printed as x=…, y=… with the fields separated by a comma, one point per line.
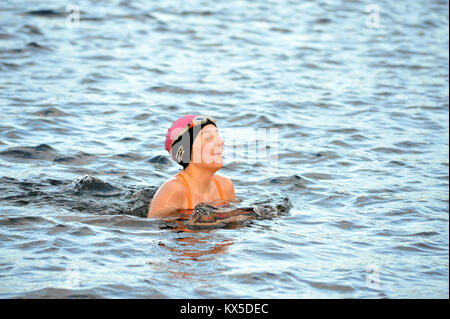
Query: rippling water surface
x=361, y=108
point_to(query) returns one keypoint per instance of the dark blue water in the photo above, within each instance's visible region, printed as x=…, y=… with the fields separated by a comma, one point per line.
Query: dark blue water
x=357, y=92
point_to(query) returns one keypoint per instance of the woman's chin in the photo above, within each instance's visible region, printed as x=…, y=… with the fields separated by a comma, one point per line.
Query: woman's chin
x=217, y=163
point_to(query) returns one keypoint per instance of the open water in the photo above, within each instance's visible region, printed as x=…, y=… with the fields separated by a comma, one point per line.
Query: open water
x=356, y=91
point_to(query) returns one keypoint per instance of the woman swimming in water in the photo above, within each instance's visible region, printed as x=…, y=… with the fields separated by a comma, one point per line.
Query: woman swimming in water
x=194, y=143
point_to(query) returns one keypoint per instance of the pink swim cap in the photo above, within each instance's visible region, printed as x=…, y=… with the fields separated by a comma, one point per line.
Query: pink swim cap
x=174, y=131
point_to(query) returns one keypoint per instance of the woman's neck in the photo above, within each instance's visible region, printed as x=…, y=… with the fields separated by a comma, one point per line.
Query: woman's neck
x=199, y=178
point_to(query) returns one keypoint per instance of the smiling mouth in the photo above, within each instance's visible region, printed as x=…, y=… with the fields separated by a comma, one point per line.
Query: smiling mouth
x=217, y=152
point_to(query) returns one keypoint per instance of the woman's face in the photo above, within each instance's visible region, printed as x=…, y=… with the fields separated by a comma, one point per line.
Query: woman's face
x=207, y=148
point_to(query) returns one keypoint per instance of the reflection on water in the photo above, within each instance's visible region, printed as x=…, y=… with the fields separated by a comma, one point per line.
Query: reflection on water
x=360, y=104
x=192, y=250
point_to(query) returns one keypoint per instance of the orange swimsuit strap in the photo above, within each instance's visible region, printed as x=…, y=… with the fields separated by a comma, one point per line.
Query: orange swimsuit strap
x=218, y=187
x=187, y=190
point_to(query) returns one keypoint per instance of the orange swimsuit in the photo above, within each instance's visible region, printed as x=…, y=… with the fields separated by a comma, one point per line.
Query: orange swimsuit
x=183, y=181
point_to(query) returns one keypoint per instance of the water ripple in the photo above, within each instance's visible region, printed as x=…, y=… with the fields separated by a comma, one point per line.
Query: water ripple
x=361, y=115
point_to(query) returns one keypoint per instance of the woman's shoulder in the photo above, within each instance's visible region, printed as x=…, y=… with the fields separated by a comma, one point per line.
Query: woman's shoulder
x=174, y=184
x=168, y=198
x=223, y=179
x=227, y=186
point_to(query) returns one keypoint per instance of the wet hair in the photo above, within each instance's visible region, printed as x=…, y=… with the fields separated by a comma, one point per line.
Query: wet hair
x=185, y=165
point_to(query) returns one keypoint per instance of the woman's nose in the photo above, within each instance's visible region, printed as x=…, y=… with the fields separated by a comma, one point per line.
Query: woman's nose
x=219, y=141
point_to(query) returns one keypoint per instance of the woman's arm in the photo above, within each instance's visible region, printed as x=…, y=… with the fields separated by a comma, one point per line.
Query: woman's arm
x=168, y=199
